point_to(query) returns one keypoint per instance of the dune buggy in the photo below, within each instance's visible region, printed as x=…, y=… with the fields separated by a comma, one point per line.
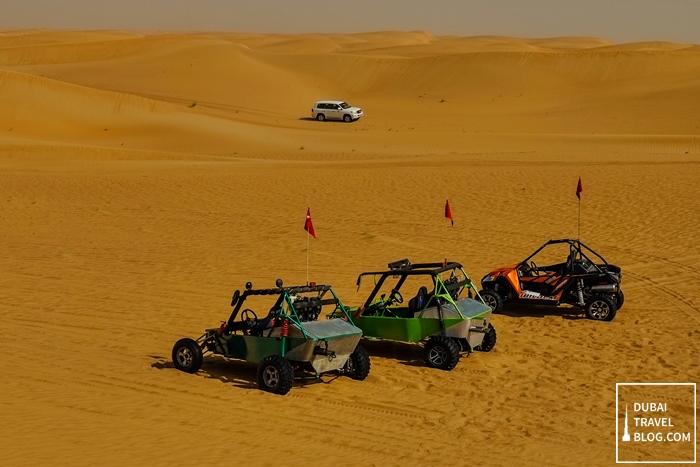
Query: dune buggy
x=592, y=285
x=436, y=314
x=288, y=343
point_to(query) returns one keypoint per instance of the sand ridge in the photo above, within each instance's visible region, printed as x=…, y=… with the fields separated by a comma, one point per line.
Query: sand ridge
x=146, y=176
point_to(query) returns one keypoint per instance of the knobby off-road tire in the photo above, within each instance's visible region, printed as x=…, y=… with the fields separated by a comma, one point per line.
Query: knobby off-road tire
x=493, y=299
x=275, y=375
x=441, y=352
x=620, y=300
x=347, y=118
x=601, y=308
x=187, y=355
x=489, y=341
x=357, y=366
x=321, y=117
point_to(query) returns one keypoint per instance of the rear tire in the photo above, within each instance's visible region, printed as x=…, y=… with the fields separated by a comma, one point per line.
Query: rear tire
x=620, y=299
x=357, y=366
x=489, y=341
x=601, y=308
x=347, y=118
x=492, y=299
x=441, y=352
x=187, y=355
x=275, y=375
x=321, y=117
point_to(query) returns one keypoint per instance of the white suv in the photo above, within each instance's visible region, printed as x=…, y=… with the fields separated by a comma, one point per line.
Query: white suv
x=335, y=110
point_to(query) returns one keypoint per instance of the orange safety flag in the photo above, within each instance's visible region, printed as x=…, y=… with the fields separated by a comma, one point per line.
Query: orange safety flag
x=579, y=189
x=448, y=211
x=308, y=225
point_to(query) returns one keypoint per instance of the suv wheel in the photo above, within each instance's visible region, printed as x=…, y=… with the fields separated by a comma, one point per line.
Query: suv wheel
x=441, y=352
x=347, y=118
x=601, y=308
x=320, y=117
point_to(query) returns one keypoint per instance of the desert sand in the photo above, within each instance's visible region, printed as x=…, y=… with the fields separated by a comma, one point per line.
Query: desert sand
x=145, y=177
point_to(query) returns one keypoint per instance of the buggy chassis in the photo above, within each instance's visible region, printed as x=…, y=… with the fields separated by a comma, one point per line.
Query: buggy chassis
x=289, y=343
x=444, y=323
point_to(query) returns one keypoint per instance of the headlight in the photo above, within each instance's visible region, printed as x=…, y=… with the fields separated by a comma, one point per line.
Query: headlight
x=489, y=278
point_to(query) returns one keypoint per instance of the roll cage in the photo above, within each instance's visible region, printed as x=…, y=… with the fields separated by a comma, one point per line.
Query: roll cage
x=445, y=289
x=289, y=305
x=576, y=253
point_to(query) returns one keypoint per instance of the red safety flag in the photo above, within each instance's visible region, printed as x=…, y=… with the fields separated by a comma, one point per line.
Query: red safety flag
x=579, y=189
x=448, y=211
x=308, y=225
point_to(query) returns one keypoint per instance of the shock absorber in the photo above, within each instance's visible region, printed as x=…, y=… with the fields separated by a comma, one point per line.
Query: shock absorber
x=579, y=290
x=284, y=334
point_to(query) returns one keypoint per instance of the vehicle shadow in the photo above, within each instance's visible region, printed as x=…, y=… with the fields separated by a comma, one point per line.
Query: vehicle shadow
x=237, y=373
x=403, y=352
x=307, y=119
x=534, y=311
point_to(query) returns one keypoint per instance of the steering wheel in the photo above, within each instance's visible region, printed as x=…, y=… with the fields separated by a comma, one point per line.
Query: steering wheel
x=396, y=296
x=246, y=316
x=533, y=268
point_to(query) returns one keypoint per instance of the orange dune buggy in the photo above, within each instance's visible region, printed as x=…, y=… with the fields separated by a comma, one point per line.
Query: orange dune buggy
x=579, y=281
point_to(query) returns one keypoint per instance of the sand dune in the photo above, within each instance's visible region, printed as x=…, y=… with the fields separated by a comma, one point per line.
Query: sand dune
x=145, y=177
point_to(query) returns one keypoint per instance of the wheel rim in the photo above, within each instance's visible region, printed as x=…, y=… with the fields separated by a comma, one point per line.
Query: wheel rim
x=437, y=355
x=184, y=357
x=350, y=366
x=600, y=309
x=490, y=301
x=347, y=118
x=271, y=376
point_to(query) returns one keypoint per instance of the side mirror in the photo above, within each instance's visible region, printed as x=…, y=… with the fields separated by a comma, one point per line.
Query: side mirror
x=236, y=297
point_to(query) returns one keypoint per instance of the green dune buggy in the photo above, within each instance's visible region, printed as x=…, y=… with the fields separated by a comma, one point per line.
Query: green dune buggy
x=288, y=343
x=437, y=315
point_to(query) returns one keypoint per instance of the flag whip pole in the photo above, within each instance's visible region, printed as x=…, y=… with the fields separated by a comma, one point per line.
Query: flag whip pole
x=308, y=244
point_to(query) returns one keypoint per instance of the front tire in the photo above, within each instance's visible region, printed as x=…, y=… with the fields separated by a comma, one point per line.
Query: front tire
x=441, y=352
x=321, y=118
x=492, y=299
x=357, y=366
x=489, y=341
x=275, y=375
x=187, y=355
x=601, y=308
x=347, y=118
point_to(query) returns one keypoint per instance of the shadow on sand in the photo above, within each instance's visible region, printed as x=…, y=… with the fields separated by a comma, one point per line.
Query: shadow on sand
x=403, y=352
x=543, y=311
x=238, y=373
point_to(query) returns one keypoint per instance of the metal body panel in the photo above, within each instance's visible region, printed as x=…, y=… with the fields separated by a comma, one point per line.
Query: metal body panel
x=402, y=329
x=337, y=337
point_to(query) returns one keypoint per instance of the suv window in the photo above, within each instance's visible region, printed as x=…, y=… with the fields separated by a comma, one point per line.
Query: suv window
x=320, y=106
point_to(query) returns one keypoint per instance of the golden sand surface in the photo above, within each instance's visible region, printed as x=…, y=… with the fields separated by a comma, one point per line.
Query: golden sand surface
x=144, y=177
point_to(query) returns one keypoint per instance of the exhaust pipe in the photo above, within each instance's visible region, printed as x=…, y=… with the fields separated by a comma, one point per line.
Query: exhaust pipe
x=604, y=288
